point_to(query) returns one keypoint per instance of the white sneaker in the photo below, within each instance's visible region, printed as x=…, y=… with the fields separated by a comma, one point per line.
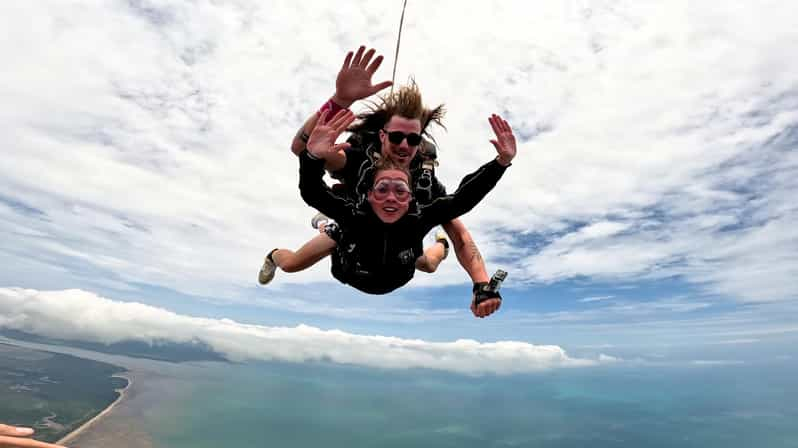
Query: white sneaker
x=267, y=271
x=319, y=220
x=440, y=237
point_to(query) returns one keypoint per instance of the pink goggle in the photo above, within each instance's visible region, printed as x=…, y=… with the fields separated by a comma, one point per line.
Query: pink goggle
x=399, y=188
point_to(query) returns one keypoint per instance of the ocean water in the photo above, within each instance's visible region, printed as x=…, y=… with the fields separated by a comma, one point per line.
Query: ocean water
x=337, y=406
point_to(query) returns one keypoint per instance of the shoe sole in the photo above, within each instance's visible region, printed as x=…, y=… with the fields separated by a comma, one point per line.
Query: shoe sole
x=265, y=277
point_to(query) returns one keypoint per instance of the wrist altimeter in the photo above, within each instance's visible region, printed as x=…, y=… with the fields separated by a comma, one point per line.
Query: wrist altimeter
x=489, y=290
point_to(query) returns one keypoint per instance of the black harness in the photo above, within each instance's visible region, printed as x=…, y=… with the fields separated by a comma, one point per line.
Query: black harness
x=429, y=160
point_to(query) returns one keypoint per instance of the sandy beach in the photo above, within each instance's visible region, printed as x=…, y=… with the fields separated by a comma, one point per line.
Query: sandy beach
x=122, y=393
x=122, y=425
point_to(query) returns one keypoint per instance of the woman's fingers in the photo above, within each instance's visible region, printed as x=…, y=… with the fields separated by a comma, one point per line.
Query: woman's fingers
x=342, y=120
x=322, y=118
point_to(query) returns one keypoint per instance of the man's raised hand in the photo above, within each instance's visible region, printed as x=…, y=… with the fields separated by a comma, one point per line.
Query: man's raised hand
x=354, y=79
x=505, y=140
x=322, y=139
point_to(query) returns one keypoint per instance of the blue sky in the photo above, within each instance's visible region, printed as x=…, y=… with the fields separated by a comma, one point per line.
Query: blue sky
x=649, y=214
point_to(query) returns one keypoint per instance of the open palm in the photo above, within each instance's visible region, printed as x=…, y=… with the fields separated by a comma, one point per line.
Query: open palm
x=505, y=140
x=354, y=79
x=322, y=140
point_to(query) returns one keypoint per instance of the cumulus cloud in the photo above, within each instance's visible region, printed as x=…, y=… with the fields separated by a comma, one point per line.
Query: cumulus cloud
x=85, y=316
x=145, y=142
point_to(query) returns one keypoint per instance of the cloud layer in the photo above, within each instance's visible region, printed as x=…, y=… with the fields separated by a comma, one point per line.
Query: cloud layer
x=145, y=142
x=84, y=316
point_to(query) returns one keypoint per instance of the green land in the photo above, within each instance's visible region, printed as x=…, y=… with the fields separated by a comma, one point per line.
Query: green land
x=51, y=392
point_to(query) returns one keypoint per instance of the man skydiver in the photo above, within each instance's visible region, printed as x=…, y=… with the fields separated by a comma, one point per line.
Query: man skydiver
x=354, y=83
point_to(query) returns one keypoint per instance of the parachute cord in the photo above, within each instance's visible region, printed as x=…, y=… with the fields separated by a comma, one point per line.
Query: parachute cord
x=398, y=40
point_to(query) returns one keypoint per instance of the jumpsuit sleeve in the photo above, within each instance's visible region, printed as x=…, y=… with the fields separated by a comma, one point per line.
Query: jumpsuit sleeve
x=316, y=193
x=438, y=189
x=472, y=189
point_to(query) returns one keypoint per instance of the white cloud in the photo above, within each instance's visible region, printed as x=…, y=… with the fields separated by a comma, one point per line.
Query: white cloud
x=84, y=316
x=595, y=346
x=719, y=362
x=595, y=299
x=735, y=341
x=146, y=141
x=608, y=359
x=625, y=311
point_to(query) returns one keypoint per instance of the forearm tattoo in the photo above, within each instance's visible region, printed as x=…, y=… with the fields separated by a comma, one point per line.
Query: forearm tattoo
x=475, y=255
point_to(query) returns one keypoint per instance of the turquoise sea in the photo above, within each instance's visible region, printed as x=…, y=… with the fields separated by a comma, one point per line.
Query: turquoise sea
x=619, y=406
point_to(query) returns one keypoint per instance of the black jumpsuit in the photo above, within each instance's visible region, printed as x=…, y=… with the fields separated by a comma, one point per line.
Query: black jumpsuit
x=376, y=257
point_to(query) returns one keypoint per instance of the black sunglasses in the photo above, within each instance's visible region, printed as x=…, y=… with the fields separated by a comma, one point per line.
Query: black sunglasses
x=396, y=137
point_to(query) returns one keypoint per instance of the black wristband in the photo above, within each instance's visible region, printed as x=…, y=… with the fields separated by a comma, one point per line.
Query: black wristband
x=310, y=155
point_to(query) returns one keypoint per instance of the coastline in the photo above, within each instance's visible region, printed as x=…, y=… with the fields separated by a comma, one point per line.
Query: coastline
x=123, y=423
x=122, y=393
